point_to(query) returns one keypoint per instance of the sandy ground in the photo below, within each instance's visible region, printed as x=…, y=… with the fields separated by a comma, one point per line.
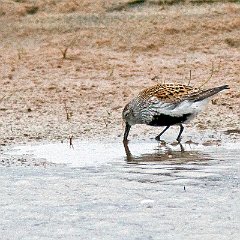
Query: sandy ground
x=110, y=56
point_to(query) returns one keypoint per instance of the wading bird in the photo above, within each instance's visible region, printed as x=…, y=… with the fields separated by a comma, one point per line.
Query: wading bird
x=166, y=105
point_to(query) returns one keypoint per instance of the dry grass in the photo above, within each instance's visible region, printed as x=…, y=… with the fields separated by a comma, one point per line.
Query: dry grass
x=128, y=31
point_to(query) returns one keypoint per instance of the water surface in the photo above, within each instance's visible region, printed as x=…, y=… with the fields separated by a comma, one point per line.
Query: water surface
x=110, y=191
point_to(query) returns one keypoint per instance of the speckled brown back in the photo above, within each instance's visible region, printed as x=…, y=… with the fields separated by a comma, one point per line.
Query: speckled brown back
x=168, y=92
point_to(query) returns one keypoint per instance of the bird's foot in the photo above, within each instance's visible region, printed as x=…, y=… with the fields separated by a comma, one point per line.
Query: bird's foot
x=161, y=142
x=179, y=139
x=158, y=138
x=178, y=143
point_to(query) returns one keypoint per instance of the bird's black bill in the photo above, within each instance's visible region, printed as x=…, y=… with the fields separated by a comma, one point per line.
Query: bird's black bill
x=127, y=129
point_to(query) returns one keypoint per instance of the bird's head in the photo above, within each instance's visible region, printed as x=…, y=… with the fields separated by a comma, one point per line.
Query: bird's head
x=128, y=118
x=128, y=115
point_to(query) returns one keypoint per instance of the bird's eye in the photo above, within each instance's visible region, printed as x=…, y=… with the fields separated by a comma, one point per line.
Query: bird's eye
x=126, y=113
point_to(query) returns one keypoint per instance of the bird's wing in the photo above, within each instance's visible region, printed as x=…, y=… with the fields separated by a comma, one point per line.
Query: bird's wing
x=204, y=94
x=174, y=100
x=174, y=109
x=169, y=93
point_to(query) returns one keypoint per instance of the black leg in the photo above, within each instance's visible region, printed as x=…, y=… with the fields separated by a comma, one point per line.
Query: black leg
x=161, y=133
x=181, y=147
x=127, y=129
x=180, y=133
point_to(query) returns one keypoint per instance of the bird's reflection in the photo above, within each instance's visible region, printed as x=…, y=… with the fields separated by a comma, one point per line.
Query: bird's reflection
x=164, y=152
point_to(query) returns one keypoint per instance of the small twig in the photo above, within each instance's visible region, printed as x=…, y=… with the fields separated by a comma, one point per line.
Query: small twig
x=6, y=97
x=11, y=129
x=212, y=72
x=71, y=141
x=21, y=52
x=109, y=113
x=155, y=78
x=106, y=123
x=111, y=72
x=68, y=113
x=163, y=81
x=2, y=98
x=66, y=47
x=106, y=120
x=219, y=66
x=190, y=77
x=64, y=52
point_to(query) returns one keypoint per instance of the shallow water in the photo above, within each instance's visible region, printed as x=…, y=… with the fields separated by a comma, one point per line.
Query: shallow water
x=110, y=191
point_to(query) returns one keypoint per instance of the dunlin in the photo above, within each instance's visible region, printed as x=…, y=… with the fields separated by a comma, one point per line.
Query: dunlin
x=167, y=105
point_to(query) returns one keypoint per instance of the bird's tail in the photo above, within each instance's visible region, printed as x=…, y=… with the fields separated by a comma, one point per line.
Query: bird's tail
x=201, y=95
